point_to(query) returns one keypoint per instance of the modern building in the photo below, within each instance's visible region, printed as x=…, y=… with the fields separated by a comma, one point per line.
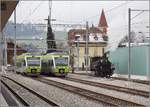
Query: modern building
x=82, y=49
x=139, y=61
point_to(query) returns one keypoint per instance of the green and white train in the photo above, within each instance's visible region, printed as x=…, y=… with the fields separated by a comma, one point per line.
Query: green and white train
x=56, y=64
x=28, y=64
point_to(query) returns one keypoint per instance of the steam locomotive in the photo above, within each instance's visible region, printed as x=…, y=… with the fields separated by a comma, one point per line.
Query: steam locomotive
x=101, y=66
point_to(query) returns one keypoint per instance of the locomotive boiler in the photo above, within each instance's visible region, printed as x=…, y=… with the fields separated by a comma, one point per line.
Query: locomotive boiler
x=101, y=66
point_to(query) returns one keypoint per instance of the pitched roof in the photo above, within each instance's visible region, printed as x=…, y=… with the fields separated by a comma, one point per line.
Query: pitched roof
x=6, y=9
x=102, y=20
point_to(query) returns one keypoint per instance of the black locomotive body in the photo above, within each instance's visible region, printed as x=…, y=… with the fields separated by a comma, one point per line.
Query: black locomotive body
x=101, y=66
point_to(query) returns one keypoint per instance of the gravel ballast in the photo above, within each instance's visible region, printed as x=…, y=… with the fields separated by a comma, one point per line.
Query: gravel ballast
x=121, y=83
x=30, y=98
x=121, y=95
x=3, y=102
x=62, y=97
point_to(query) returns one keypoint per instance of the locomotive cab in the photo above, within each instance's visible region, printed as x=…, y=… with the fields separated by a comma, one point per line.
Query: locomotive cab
x=28, y=64
x=61, y=65
x=56, y=64
x=33, y=65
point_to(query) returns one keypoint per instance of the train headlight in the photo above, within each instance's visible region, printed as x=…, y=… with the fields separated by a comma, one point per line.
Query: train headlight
x=61, y=70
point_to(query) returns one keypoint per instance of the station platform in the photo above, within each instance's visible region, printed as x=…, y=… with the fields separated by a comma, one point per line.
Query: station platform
x=3, y=102
x=111, y=81
x=116, y=76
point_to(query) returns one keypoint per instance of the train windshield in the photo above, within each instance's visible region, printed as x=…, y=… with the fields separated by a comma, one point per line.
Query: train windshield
x=33, y=61
x=61, y=61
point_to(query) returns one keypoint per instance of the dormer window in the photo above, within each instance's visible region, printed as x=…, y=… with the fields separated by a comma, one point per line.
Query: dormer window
x=77, y=37
x=84, y=37
x=95, y=37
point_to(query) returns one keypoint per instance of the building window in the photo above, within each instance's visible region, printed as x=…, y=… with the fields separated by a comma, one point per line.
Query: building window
x=103, y=51
x=86, y=61
x=77, y=38
x=84, y=37
x=96, y=37
x=87, y=50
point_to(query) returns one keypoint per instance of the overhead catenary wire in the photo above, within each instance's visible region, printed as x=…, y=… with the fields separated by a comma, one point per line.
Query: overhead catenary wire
x=39, y=40
x=34, y=10
x=70, y=25
x=116, y=7
x=137, y=15
x=135, y=23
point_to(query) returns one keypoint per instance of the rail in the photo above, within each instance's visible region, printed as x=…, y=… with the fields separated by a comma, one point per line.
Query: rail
x=89, y=94
x=113, y=87
x=118, y=78
x=25, y=103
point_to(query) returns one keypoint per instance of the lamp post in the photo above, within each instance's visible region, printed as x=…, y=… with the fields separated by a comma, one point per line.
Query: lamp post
x=129, y=33
x=5, y=51
x=15, y=40
x=129, y=66
x=149, y=62
x=87, y=39
x=78, y=53
x=129, y=54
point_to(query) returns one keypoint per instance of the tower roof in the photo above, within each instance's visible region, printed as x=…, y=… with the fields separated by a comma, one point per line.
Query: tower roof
x=102, y=20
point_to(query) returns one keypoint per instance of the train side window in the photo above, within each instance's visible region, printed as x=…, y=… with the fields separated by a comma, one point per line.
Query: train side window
x=18, y=64
x=44, y=64
x=24, y=63
x=51, y=63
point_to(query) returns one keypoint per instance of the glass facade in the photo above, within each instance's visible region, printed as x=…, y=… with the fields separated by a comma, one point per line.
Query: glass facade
x=139, y=60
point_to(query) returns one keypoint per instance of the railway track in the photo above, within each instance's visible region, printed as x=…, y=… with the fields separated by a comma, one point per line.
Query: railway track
x=134, y=80
x=118, y=78
x=26, y=95
x=109, y=86
x=109, y=100
x=9, y=99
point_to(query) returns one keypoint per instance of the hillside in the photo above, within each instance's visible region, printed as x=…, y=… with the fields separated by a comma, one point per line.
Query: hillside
x=31, y=31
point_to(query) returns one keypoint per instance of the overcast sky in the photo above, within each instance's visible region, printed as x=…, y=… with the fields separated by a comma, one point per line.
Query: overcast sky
x=79, y=12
